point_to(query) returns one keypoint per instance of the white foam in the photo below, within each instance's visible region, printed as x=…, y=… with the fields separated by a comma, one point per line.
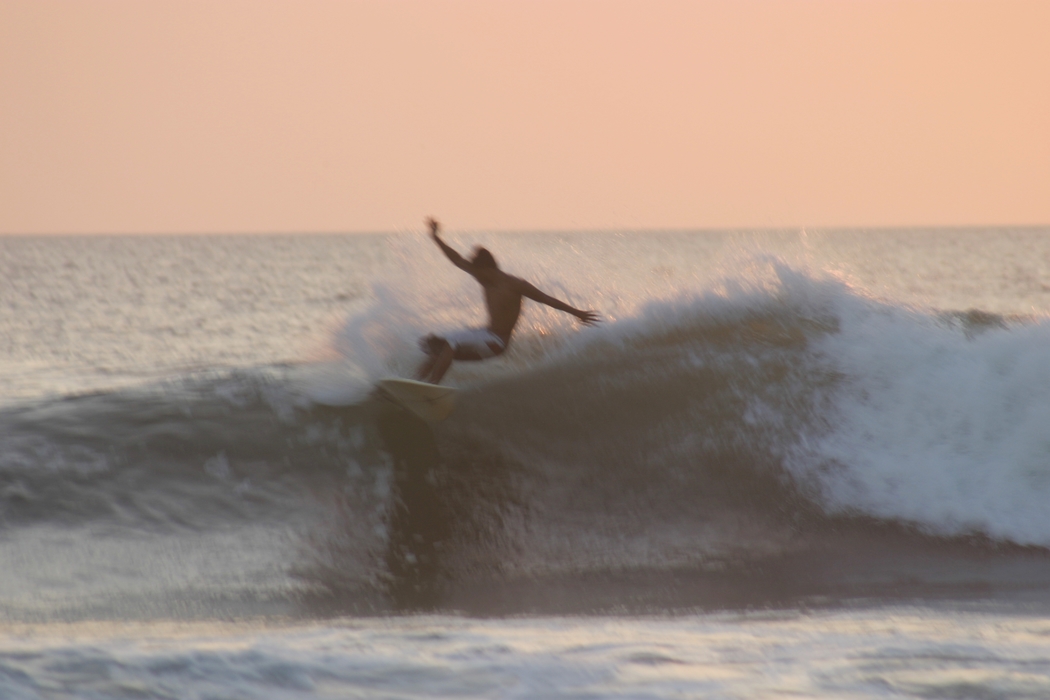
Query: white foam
x=935, y=425
x=896, y=652
x=333, y=383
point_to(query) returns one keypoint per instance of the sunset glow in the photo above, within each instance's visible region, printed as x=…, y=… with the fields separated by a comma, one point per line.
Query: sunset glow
x=229, y=116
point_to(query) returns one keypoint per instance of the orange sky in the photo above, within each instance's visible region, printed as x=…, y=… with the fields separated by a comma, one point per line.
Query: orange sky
x=221, y=115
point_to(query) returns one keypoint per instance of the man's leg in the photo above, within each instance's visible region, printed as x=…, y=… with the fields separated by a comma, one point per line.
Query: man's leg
x=440, y=365
x=440, y=359
x=441, y=352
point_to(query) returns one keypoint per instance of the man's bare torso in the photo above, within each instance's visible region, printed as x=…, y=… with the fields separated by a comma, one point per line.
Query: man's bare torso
x=503, y=301
x=503, y=295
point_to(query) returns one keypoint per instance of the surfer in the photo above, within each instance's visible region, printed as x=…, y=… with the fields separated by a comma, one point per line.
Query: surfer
x=503, y=295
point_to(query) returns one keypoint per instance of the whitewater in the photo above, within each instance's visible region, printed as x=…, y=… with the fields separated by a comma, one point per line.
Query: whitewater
x=786, y=462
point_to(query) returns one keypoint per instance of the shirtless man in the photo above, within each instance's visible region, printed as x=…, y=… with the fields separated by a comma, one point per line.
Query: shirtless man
x=503, y=295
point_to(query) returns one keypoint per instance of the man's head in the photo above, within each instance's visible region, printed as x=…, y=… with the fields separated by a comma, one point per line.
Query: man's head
x=483, y=258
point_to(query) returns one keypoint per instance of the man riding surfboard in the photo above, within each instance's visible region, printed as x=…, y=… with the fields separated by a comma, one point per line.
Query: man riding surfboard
x=503, y=295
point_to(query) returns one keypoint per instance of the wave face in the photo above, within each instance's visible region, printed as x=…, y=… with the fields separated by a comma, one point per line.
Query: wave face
x=750, y=443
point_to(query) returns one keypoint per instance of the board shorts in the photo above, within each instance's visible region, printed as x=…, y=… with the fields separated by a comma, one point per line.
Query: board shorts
x=479, y=341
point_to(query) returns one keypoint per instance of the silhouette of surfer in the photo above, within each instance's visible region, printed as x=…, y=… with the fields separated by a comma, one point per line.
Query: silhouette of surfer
x=503, y=295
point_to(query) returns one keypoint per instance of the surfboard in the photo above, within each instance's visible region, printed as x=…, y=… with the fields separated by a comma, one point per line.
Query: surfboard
x=431, y=402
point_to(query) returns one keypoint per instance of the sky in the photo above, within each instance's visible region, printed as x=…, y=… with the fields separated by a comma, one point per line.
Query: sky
x=173, y=116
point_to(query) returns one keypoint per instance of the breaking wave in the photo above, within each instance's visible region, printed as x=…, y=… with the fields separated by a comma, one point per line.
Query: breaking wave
x=754, y=426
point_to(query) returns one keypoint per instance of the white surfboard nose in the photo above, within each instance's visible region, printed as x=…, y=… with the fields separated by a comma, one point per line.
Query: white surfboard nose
x=431, y=402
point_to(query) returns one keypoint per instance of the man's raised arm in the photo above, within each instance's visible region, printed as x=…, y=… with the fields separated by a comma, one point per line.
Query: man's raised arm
x=457, y=259
x=527, y=290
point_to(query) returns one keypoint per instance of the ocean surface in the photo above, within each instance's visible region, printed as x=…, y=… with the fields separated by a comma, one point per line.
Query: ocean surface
x=786, y=464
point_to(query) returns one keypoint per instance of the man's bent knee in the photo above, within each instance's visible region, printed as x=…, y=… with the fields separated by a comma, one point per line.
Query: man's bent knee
x=434, y=345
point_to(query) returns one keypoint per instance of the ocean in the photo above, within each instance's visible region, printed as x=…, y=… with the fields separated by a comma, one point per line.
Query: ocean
x=792, y=463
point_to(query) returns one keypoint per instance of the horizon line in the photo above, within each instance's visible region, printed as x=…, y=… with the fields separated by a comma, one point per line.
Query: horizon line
x=591, y=229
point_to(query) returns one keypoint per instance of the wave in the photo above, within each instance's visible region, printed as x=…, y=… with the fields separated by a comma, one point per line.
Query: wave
x=748, y=422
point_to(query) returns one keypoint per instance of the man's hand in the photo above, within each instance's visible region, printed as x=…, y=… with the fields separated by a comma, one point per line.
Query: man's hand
x=434, y=225
x=588, y=318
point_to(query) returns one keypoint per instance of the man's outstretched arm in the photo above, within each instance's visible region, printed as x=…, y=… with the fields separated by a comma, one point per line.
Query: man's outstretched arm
x=530, y=292
x=457, y=259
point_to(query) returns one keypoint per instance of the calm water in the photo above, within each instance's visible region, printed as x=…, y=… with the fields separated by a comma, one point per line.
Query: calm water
x=787, y=464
